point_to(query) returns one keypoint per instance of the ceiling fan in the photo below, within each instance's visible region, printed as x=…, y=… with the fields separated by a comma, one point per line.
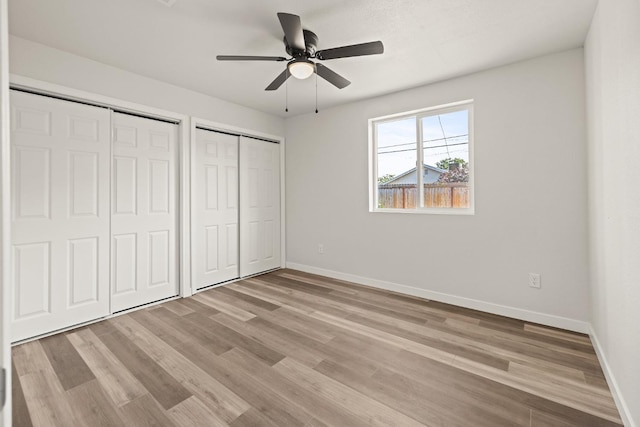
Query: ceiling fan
x=301, y=45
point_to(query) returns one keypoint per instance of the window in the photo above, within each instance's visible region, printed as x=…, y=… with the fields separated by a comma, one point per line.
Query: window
x=439, y=139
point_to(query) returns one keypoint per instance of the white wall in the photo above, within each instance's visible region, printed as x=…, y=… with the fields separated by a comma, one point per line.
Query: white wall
x=41, y=62
x=612, y=57
x=529, y=118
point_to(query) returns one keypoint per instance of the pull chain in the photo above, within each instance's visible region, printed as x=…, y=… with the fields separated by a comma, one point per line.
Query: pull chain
x=286, y=90
x=316, y=67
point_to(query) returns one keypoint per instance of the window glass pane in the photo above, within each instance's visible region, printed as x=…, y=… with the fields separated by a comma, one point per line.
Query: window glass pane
x=397, y=154
x=446, y=160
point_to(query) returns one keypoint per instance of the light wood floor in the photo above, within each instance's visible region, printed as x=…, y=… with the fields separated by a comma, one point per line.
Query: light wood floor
x=293, y=349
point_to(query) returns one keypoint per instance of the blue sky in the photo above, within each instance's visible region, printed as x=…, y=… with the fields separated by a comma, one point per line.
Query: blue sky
x=397, y=147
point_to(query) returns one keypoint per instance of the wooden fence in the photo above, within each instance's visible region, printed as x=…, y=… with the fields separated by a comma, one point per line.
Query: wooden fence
x=441, y=195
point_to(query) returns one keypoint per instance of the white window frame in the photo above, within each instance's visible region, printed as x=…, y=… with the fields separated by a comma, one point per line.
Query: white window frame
x=419, y=115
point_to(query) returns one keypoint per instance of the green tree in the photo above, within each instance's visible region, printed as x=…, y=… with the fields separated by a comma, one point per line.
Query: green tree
x=385, y=178
x=459, y=174
x=444, y=163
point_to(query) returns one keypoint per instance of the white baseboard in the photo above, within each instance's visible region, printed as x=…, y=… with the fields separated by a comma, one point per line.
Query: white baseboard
x=502, y=310
x=611, y=381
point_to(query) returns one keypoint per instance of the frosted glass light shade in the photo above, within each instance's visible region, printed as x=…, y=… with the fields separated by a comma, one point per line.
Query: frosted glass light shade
x=301, y=69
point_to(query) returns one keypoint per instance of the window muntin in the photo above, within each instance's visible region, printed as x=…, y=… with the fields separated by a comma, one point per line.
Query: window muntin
x=440, y=139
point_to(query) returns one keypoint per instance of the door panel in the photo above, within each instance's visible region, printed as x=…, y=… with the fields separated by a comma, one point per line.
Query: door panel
x=32, y=182
x=259, y=206
x=32, y=274
x=83, y=258
x=215, y=208
x=144, y=218
x=83, y=184
x=60, y=215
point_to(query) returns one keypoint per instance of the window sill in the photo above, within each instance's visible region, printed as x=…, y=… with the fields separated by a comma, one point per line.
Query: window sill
x=428, y=211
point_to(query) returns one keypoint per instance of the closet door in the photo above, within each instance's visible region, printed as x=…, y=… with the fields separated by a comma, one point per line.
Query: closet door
x=60, y=213
x=215, y=208
x=144, y=260
x=259, y=206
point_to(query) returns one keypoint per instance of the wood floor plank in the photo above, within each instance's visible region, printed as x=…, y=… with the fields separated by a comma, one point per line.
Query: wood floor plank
x=193, y=413
x=223, y=402
x=43, y=392
x=518, y=349
x=258, y=302
x=206, y=298
x=540, y=419
x=258, y=395
x=359, y=354
x=199, y=336
x=245, y=287
x=496, y=346
x=160, y=384
x=349, y=287
x=464, y=349
x=253, y=418
x=594, y=404
x=371, y=411
x=101, y=328
x=289, y=298
x=222, y=297
x=198, y=307
x=30, y=358
x=596, y=380
x=46, y=401
x=146, y=412
x=178, y=308
x=19, y=409
x=66, y=361
x=290, y=348
x=314, y=422
x=302, y=324
x=115, y=379
x=345, y=301
x=239, y=383
x=286, y=346
x=317, y=406
x=490, y=393
x=324, y=350
x=563, y=335
x=453, y=404
x=92, y=407
x=261, y=351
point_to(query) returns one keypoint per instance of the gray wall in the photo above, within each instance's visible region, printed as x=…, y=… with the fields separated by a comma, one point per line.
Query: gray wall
x=529, y=116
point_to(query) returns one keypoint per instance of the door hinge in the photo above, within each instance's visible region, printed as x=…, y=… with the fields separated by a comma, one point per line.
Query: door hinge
x=3, y=387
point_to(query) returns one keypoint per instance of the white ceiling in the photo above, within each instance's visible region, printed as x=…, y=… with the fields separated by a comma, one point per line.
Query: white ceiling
x=425, y=40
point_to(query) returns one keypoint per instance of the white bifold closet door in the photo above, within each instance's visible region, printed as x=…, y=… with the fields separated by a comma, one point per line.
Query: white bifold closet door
x=215, y=208
x=60, y=155
x=259, y=206
x=144, y=262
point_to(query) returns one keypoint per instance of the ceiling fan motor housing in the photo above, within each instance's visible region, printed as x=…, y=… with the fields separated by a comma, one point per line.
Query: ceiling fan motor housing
x=311, y=43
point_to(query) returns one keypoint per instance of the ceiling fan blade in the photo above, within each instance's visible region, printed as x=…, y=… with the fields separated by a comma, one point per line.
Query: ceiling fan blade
x=279, y=80
x=371, y=48
x=332, y=77
x=249, y=58
x=292, y=28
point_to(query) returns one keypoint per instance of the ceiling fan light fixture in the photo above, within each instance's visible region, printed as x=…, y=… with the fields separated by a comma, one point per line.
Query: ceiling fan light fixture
x=301, y=69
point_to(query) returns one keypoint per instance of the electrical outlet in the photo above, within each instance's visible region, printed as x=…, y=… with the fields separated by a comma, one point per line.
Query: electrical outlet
x=534, y=280
x=320, y=248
